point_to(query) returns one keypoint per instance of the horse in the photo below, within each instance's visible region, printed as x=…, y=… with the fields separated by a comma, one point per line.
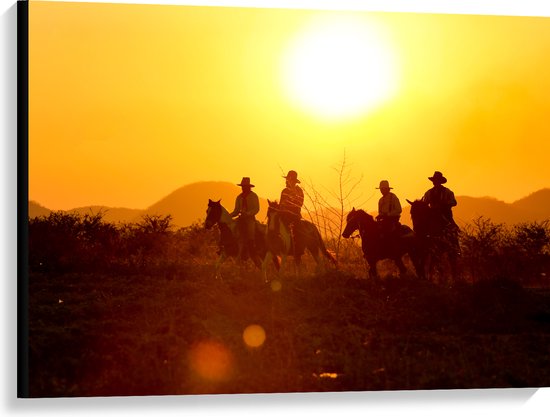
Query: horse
x=377, y=247
x=282, y=241
x=438, y=237
x=230, y=244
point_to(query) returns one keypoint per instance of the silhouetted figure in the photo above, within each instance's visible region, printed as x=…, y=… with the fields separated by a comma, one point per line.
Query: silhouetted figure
x=389, y=210
x=291, y=201
x=440, y=198
x=247, y=205
x=375, y=249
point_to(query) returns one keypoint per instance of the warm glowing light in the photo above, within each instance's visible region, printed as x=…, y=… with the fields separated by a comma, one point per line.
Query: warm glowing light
x=327, y=375
x=340, y=68
x=276, y=285
x=254, y=336
x=211, y=361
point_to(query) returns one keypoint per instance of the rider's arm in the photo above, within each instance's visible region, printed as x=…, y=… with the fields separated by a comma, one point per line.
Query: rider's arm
x=253, y=206
x=237, y=207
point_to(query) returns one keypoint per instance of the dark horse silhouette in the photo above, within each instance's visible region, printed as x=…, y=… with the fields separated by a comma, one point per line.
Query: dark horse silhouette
x=376, y=247
x=230, y=244
x=281, y=242
x=439, y=240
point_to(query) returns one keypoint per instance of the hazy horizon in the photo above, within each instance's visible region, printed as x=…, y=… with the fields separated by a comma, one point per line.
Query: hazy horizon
x=370, y=206
x=128, y=103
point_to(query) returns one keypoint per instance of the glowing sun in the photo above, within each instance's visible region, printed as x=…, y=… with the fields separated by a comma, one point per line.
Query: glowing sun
x=340, y=68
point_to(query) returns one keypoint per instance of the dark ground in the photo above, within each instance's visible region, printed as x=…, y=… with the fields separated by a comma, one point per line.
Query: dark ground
x=182, y=333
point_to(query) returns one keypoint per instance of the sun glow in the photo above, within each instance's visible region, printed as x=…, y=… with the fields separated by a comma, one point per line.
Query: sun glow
x=340, y=68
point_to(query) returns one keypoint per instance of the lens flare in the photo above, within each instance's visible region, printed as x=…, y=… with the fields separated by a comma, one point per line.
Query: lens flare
x=211, y=361
x=254, y=336
x=276, y=285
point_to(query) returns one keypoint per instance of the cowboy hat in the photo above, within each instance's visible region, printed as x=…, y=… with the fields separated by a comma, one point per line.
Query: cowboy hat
x=292, y=176
x=245, y=182
x=438, y=177
x=384, y=184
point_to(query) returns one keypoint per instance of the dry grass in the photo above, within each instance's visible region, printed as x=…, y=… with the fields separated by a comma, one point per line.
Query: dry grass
x=136, y=334
x=143, y=315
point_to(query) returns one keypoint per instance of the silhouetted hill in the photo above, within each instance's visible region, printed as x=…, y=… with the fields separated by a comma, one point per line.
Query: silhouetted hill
x=535, y=207
x=188, y=204
x=110, y=214
x=537, y=203
x=37, y=210
x=470, y=208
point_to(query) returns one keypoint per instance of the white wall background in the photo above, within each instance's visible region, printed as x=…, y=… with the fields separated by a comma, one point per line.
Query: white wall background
x=513, y=402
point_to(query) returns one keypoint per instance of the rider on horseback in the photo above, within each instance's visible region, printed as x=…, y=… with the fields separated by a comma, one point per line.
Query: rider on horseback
x=440, y=198
x=247, y=205
x=389, y=212
x=291, y=202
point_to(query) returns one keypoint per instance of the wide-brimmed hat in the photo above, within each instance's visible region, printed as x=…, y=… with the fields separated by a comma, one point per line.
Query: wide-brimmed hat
x=384, y=184
x=438, y=177
x=245, y=182
x=292, y=176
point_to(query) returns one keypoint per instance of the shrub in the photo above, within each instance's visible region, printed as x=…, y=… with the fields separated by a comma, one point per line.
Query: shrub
x=69, y=241
x=494, y=251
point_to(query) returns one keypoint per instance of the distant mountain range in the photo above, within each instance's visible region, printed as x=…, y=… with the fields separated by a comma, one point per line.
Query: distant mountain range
x=188, y=205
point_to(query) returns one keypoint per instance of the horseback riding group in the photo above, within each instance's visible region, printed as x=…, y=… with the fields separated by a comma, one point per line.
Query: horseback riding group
x=431, y=244
x=286, y=233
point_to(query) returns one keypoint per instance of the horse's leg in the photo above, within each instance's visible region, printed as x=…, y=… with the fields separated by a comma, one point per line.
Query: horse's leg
x=319, y=265
x=276, y=262
x=282, y=265
x=440, y=270
x=373, y=272
x=217, y=266
x=453, y=259
x=254, y=255
x=402, y=268
x=268, y=257
x=298, y=265
x=453, y=264
x=429, y=266
x=418, y=262
x=253, y=251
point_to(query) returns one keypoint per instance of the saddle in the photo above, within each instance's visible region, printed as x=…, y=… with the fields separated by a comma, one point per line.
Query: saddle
x=389, y=237
x=404, y=231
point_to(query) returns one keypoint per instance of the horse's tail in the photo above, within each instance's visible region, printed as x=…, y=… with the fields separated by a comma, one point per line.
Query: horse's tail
x=326, y=253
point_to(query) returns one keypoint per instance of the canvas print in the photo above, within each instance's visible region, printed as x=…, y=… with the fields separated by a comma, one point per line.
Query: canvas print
x=258, y=200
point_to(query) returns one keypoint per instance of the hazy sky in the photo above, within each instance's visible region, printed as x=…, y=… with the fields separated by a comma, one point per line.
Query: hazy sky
x=130, y=102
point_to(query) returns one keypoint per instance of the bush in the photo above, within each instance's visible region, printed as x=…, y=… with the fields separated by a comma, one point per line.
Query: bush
x=494, y=251
x=70, y=242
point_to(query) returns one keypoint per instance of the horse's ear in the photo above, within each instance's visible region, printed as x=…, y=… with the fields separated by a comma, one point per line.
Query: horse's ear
x=209, y=201
x=409, y=201
x=219, y=201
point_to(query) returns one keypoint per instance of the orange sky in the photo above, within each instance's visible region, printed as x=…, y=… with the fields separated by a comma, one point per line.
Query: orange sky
x=130, y=102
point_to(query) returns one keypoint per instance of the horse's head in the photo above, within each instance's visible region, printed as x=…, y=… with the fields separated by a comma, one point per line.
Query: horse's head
x=272, y=212
x=357, y=219
x=213, y=213
x=352, y=223
x=421, y=216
